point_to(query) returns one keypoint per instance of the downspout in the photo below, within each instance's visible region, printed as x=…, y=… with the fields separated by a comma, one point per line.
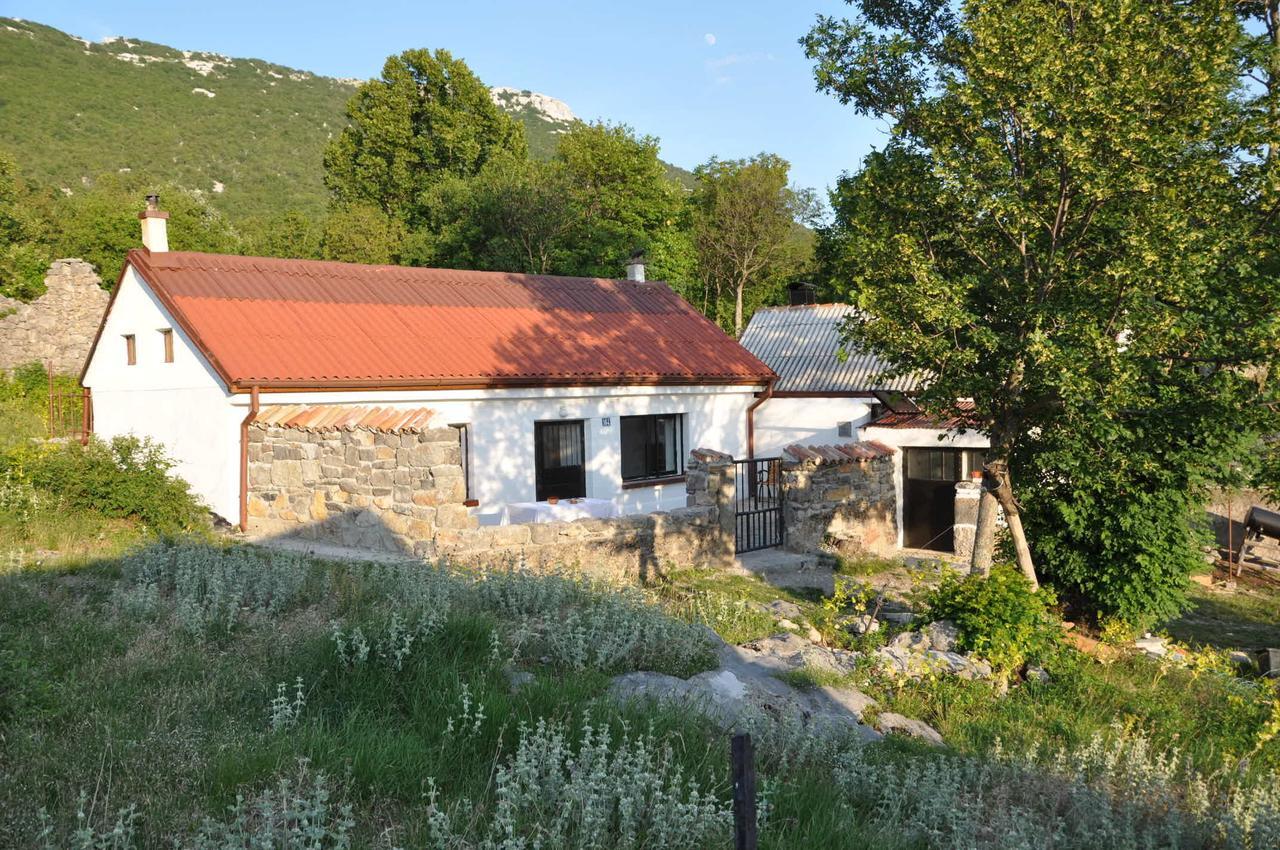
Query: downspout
x=86, y=415
x=244, y=457
x=761, y=398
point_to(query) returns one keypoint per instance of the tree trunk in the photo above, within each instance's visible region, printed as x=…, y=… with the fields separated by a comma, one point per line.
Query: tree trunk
x=984, y=536
x=999, y=469
x=737, y=311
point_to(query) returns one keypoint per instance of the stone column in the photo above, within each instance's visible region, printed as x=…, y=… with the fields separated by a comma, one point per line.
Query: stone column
x=710, y=482
x=968, y=494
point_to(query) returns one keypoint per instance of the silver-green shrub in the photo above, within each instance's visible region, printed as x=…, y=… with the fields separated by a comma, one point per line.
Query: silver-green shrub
x=295, y=814
x=610, y=791
x=210, y=588
x=584, y=625
x=1117, y=791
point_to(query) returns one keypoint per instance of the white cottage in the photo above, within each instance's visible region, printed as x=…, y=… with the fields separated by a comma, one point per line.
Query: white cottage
x=561, y=387
x=827, y=393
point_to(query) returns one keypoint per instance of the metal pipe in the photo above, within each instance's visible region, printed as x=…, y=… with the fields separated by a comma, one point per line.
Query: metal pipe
x=761, y=398
x=86, y=415
x=244, y=457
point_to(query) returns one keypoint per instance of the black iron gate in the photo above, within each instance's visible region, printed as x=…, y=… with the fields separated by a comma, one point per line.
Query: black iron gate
x=758, y=519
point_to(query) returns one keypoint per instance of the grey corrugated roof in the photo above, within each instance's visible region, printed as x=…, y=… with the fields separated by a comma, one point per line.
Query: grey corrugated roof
x=802, y=345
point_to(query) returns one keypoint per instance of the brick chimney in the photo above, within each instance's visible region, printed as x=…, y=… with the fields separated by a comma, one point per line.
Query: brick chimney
x=155, y=226
x=635, y=267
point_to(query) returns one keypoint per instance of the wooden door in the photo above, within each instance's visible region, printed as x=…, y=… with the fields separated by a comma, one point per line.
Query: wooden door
x=929, y=498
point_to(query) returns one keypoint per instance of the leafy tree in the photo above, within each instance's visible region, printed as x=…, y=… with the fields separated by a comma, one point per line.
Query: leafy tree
x=24, y=256
x=362, y=233
x=746, y=230
x=289, y=234
x=100, y=225
x=512, y=216
x=620, y=194
x=603, y=196
x=427, y=117
x=1061, y=228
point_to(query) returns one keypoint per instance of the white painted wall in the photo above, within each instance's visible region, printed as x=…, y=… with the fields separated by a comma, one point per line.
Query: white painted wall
x=923, y=438
x=782, y=422
x=501, y=432
x=180, y=404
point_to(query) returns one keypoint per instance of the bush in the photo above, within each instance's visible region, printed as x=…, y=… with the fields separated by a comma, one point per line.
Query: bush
x=125, y=477
x=608, y=791
x=999, y=617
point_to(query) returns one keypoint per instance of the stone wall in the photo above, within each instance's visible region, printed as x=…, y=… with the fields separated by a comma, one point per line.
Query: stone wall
x=357, y=488
x=840, y=499
x=59, y=326
x=641, y=546
x=404, y=493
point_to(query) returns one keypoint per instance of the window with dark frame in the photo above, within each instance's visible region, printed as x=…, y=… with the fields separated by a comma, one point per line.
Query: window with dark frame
x=131, y=349
x=652, y=446
x=559, y=459
x=167, y=335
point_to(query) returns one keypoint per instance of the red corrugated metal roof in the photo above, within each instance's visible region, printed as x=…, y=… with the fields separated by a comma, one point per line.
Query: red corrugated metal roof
x=345, y=417
x=308, y=323
x=920, y=419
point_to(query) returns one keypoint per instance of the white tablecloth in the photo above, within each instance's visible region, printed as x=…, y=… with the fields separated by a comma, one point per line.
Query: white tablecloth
x=515, y=513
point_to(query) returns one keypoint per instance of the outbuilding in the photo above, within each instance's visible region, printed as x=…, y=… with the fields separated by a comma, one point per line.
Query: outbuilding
x=829, y=392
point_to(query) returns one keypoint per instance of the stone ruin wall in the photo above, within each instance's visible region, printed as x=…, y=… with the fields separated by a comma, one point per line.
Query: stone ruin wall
x=57, y=327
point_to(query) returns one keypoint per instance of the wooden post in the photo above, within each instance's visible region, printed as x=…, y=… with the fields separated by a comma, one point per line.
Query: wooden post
x=744, y=792
x=48, y=370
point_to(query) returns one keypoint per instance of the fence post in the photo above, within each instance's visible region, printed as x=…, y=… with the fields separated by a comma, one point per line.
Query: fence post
x=49, y=374
x=744, y=792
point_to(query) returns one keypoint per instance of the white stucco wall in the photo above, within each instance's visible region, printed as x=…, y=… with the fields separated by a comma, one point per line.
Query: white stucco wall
x=782, y=422
x=180, y=404
x=501, y=432
x=923, y=438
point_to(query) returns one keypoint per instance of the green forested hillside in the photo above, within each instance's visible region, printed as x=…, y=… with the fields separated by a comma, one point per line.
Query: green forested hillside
x=247, y=133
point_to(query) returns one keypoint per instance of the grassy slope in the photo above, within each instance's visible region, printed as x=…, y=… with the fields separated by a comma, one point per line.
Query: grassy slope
x=70, y=111
x=132, y=711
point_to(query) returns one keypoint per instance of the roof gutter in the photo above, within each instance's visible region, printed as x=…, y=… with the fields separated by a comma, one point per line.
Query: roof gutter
x=310, y=385
x=244, y=458
x=761, y=398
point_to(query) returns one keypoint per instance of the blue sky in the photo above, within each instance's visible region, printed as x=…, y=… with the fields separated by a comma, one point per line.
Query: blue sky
x=723, y=78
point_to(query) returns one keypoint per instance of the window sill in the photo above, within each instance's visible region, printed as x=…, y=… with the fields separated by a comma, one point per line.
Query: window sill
x=652, y=482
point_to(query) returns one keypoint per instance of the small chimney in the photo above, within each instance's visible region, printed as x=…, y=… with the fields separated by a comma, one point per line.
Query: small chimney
x=155, y=226
x=635, y=267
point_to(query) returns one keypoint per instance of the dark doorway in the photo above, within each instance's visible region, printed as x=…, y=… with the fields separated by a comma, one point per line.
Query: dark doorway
x=929, y=506
x=559, y=457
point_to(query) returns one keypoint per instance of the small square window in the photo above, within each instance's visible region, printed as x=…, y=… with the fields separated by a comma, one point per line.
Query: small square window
x=844, y=429
x=131, y=349
x=167, y=335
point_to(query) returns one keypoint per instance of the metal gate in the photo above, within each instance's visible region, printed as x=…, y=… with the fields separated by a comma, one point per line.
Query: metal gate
x=758, y=508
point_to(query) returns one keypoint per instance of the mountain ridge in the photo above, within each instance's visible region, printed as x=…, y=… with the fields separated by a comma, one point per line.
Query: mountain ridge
x=247, y=134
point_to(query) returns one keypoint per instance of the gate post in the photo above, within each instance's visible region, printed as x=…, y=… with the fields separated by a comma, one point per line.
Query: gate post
x=710, y=483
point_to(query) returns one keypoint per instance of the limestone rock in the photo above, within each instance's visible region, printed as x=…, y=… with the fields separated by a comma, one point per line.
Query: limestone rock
x=911, y=641
x=891, y=723
x=783, y=609
x=942, y=635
